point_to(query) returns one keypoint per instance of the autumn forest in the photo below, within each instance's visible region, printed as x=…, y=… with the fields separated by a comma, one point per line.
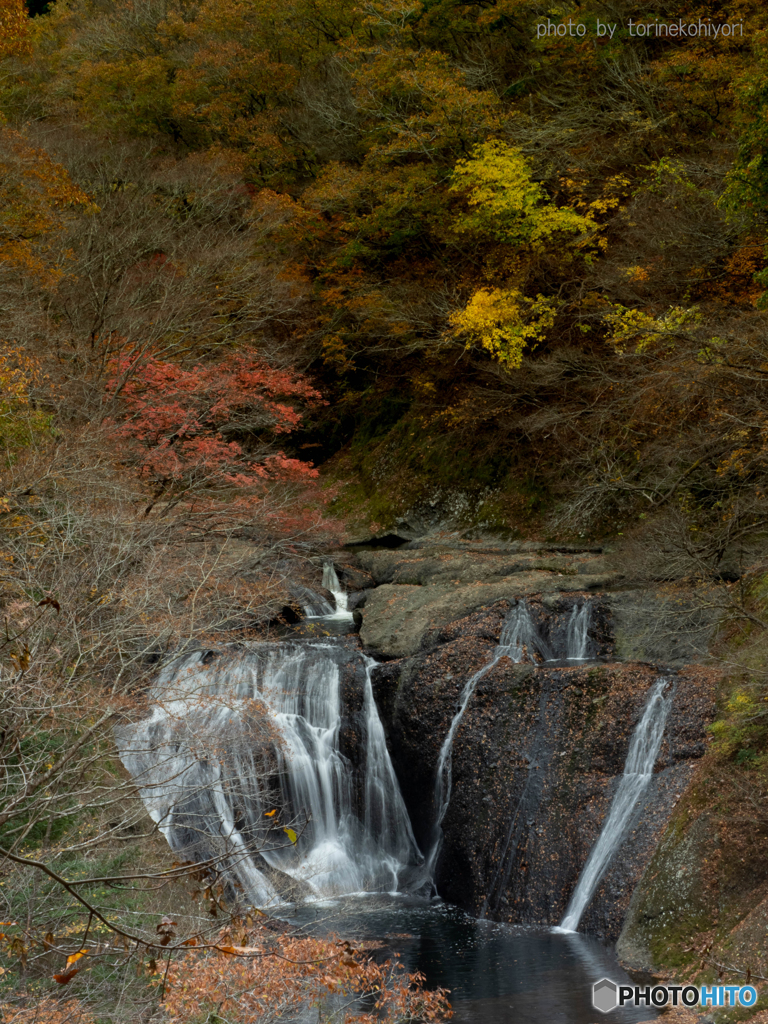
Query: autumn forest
x=277, y=275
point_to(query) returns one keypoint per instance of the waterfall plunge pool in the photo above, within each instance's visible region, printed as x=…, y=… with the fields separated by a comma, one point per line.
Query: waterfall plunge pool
x=208, y=802
x=496, y=973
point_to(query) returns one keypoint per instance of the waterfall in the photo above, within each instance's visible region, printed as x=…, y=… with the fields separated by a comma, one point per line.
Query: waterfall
x=331, y=582
x=577, y=648
x=518, y=637
x=638, y=770
x=384, y=810
x=238, y=750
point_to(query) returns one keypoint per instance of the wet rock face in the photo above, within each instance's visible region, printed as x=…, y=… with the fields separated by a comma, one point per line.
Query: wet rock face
x=706, y=886
x=424, y=586
x=536, y=761
x=351, y=683
x=672, y=898
x=351, y=576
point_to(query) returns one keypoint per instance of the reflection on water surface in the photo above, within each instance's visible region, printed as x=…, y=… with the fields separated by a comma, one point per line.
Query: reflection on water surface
x=497, y=974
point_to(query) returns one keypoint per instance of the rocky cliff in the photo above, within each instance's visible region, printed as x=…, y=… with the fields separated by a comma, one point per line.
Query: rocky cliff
x=540, y=749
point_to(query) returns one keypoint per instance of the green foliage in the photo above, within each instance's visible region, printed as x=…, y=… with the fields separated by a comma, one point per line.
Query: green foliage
x=21, y=424
x=747, y=181
x=35, y=899
x=27, y=830
x=741, y=729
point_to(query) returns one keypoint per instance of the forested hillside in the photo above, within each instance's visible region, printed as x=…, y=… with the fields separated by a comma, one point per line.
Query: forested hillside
x=528, y=269
x=272, y=271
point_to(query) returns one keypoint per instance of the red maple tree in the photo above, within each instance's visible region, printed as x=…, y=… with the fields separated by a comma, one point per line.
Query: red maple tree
x=211, y=428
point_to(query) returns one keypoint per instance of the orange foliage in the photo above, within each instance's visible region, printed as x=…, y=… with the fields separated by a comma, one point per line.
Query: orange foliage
x=13, y=28
x=48, y=1011
x=180, y=420
x=207, y=435
x=738, y=284
x=270, y=983
x=35, y=195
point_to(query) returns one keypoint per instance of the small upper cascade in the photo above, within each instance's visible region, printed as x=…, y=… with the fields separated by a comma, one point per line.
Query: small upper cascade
x=518, y=636
x=638, y=771
x=578, y=642
x=331, y=582
x=237, y=753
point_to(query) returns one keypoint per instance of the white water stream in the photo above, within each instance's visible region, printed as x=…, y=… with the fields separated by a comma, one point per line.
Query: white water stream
x=518, y=637
x=318, y=607
x=638, y=771
x=260, y=730
x=271, y=759
x=577, y=643
x=331, y=582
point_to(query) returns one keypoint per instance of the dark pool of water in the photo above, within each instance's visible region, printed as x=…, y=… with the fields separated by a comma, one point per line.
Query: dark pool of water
x=497, y=974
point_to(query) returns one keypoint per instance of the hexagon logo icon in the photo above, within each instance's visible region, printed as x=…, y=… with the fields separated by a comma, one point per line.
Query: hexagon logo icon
x=605, y=995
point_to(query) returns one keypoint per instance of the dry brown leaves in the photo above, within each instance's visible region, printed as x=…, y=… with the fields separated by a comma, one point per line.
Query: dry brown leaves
x=248, y=984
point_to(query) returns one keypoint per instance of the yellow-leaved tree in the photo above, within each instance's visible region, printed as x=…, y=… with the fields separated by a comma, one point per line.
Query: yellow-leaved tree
x=505, y=207
x=504, y=321
x=506, y=204
x=37, y=196
x=633, y=329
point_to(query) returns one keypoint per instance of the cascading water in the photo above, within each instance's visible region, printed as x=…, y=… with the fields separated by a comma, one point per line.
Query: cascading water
x=331, y=582
x=517, y=640
x=318, y=607
x=519, y=636
x=577, y=643
x=638, y=771
x=236, y=752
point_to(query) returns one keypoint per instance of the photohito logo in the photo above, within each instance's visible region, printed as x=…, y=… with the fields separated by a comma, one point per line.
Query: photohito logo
x=607, y=995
